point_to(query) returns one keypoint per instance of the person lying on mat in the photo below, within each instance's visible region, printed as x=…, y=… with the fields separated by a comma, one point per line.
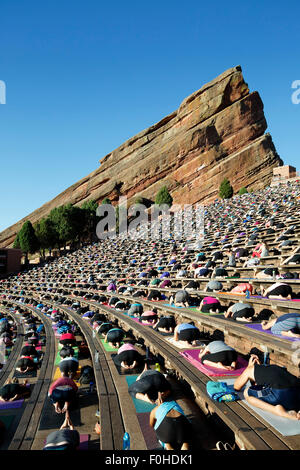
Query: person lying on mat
x=285, y=325
x=12, y=390
x=128, y=357
x=150, y=316
x=273, y=388
x=148, y=384
x=210, y=305
x=67, y=338
x=65, y=438
x=25, y=364
x=165, y=324
x=68, y=366
x=279, y=290
x=218, y=354
x=62, y=393
x=240, y=312
x=187, y=333
x=114, y=337
x=181, y=299
x=170, y=424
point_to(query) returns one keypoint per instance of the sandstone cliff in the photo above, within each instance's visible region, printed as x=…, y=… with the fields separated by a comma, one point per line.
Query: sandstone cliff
x=217, y=132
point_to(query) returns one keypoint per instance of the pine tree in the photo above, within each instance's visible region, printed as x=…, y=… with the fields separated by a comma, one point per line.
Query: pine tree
x=226, y=190
x=242, y=191
x=164, y=197
x=27, y=239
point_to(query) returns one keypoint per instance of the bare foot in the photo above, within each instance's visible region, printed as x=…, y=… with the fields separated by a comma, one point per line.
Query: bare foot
x=57, y=408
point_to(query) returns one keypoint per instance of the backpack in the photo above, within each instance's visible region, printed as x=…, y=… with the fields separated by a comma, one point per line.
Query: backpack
x=220, y=391
x=86, y=375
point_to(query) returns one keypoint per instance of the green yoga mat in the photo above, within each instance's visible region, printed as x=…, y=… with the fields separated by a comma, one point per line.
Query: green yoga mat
x=58, y=358
x=108, y=348
x=140, y=405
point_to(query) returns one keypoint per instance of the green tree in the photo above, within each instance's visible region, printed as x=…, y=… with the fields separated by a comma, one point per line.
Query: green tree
x=90, y=218
x=46, y=235
x=68, y=223
x=106, y=200
x=226, y=190
x=164, y=197
x=16, y=243
x=242, y=191
x=27, y=239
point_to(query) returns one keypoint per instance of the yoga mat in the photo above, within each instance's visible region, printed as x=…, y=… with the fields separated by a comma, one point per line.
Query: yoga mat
x=108, y=348
x=7, y=421
x=174, y=306
x=192, y=358
x=205, y=313
x=84, y=442
x=6, y=405
x=20, y=375
x=57, y=375
x=137, y=370
x=286, y=426
x=140, y=405
x=148, y=432
x=51, y=420
x=183, y=346
x=258, y=327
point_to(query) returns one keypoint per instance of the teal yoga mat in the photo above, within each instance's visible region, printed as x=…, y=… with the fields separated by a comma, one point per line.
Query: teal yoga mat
x=140, y=406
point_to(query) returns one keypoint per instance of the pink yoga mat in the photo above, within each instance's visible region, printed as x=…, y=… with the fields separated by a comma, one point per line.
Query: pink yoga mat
x=191, y=356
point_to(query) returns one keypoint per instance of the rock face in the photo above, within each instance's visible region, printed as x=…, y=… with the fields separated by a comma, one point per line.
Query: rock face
x=217, y=132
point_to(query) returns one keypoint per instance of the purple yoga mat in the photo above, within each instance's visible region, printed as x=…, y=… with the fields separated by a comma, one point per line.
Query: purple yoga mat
x=258, y=327
x=191, y=356
x=148, y=432
x=6, y=405
x=84, y=442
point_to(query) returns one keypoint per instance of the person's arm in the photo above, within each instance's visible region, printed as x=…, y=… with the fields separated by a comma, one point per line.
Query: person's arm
x=204, y=351
x=266, y=325
x=176, y=333
x=14, y=398
x=248, y=374
x=152, y=419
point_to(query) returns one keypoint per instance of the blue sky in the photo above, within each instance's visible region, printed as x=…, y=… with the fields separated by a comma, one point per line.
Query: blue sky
x=83, y=77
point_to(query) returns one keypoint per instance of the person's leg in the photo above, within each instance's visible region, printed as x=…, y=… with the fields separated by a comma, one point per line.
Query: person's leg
x=278, y=410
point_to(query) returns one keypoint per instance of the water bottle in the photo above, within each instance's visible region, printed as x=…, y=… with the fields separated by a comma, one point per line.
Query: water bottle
x=266, y=358
x=126, y=441
x=157, y=367
x=91, y=387
x=247, y=294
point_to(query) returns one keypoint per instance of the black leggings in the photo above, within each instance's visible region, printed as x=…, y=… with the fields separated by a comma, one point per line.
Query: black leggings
x=174, y=431
x=225, y=357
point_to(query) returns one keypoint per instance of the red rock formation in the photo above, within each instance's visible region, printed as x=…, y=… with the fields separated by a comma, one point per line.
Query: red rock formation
x=217, y=132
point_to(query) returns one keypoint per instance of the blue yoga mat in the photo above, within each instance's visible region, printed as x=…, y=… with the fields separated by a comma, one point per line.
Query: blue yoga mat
x=140, y=406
